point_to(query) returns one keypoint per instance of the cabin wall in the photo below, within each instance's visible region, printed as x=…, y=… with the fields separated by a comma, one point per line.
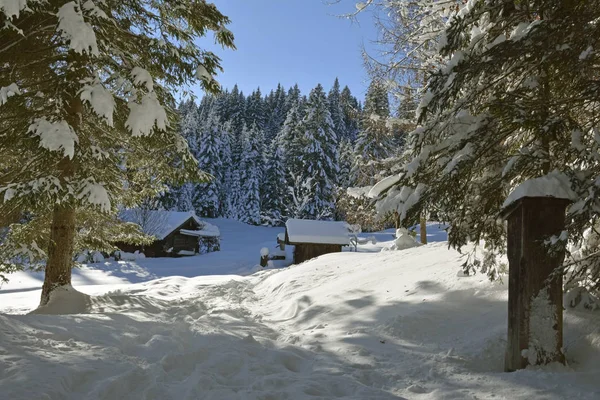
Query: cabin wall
x=306, y=251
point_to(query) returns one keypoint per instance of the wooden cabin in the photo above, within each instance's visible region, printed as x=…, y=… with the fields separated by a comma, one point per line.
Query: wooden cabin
x=177, y=234
x=312, y=238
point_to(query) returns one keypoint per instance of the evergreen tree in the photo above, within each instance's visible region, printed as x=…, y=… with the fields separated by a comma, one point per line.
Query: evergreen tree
x=335, y=108
x=351, y=114
x=375, y=141
x=88, y=120
x=276, y=113
x=251, y=174
x=346, y=160
x=228, y=189
x=290, y=139
x=319, y=156
x=255, y=112
x=206, y=199
x=515, y=99
x=275, y=192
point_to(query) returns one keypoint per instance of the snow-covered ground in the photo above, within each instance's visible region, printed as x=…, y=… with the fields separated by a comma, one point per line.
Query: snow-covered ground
x=366, y=325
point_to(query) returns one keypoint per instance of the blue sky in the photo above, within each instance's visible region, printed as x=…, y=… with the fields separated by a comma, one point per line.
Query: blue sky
x=293, y=41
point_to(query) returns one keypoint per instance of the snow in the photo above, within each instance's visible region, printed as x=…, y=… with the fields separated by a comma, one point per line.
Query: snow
x=358, y=192
x=403, y=240
x=144, y=116
x=186, y=252
x=12, y=8
x=264, y=252
x=555, y=184
x=8, y=91
x=142, y=77
x=202, y=73
x=584, y=54
x=101, y=100
x=383, y=185
x=379, y=325
x=79, y=34
x=542, y=337
x=312, y=231
x=55, y=136
x=96, y=194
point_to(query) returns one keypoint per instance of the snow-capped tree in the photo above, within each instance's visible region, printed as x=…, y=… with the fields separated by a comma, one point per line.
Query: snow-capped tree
x=319, y=156
x=375, y=141
x=227, y=171
x=251, y=174
x=352, y=113
x=335, y=108
x=209, y=146
x=276, y=113
x=514, y=100
x=275, y=187
x=87, y=120
x=256, y=112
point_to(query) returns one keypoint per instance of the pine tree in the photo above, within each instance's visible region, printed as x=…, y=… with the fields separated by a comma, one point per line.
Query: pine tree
x=206, y=199
x=352, y=112
x=514, y=99
x=346, y=160
x=335, y=108
x=375, y=141
x=319, y=156
x=88, y=121
x=251, y=174
x=290, y=139
x=256, y=112
x=276, y=113
x=227, y=172
x=275, y=192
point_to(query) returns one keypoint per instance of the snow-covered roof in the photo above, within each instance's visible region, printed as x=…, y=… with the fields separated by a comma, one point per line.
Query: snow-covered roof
x=322, y=232
x=159, y=223
x=555, y=184
x=208, y=230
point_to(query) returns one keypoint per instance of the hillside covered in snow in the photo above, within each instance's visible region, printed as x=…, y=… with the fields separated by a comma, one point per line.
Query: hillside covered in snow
x=367, y=325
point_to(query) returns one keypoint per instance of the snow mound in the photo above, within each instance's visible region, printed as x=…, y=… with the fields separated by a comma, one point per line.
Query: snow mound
x=65, y=300
x=404, y=240
x=555, y=184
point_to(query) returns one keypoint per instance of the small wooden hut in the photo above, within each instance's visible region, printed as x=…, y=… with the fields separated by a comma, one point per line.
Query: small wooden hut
x=312, y=238
x=176, y=233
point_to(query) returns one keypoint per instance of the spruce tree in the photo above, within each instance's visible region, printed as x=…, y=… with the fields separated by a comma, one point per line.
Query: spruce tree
x=335, y=108
x=256, y=112
x=90, y=124
x=206, y=199
x=375, y=141
x=319, y=156
x=352, y=112
x=516, y=98
x=251, y=174
x=275, y=192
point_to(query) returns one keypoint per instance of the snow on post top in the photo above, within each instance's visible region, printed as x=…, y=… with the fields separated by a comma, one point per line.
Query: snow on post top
x=555, y=184
x=322, y=232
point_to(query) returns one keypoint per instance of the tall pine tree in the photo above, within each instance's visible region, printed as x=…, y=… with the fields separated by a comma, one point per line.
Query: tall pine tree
x=319, y=156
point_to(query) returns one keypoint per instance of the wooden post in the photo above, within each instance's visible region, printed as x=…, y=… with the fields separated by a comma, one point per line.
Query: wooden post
x=534, y=290
x=264, y=257
x=423, y=230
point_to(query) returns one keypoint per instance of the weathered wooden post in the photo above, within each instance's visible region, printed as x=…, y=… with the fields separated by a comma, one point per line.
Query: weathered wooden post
x=535, y=305
x=264, y=257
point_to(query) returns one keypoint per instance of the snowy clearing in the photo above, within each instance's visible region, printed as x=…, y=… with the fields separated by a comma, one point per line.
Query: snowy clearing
x=367, y=325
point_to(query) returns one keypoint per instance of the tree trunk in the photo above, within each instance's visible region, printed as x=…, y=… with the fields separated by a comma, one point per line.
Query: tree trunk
x=423, y=230
x=60, y=252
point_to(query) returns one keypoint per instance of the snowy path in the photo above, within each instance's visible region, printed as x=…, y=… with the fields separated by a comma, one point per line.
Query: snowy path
x=387, y=325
